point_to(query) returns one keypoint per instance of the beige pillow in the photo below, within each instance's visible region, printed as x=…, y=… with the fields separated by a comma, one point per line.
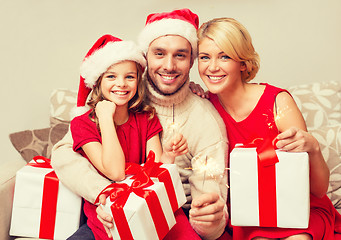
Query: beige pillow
x=320, y=103
x=329, y=138
x=62, y=102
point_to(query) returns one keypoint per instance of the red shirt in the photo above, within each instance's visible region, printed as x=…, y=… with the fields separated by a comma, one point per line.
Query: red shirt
x=133, y=136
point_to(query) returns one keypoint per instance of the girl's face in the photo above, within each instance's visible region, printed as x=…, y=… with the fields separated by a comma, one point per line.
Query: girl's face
x=217, y=70
x=119, y=82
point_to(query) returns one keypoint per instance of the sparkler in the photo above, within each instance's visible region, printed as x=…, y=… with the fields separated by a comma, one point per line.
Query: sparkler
x=205, y=168
x=171, y=126
x=208, y=167
x=173, y=122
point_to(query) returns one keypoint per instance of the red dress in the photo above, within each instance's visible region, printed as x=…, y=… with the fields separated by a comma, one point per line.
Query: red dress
x=260, y=123
x=133, y=136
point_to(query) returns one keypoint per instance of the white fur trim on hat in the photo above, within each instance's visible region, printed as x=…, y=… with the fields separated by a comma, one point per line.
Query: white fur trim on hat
x=113, y=52
x=165, y=27
x=77, y=111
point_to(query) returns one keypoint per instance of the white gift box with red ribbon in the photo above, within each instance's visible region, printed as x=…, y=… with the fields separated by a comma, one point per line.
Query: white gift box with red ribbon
x=140, y=211
x=166, y=173
x=269, y=193
x=42, y=206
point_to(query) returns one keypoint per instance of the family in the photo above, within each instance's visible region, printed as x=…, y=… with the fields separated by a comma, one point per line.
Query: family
x=131, y=95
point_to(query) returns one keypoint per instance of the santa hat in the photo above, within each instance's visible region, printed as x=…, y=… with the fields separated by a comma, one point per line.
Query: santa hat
x=107, y=51
x=180, y=22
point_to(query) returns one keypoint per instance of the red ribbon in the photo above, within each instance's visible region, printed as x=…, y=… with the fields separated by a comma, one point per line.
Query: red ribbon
x=266, y=160
x=119, y=194
x=45, y=163
x=49, y=201
x=153, y=169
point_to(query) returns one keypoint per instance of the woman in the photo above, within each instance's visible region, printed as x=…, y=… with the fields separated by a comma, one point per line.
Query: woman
x=227, y=62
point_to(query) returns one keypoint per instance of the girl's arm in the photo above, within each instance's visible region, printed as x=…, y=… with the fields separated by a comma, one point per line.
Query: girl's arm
x=107, y=157
x=295, y=138
x=174, y=147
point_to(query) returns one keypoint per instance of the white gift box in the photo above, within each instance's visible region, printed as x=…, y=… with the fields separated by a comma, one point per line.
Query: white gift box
x=173, y=184
x=27, y=206
x=139, y=217
x=291, y=185
x=176, y=184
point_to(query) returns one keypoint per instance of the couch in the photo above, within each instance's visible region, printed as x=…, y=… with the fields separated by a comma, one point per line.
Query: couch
x=320, y=104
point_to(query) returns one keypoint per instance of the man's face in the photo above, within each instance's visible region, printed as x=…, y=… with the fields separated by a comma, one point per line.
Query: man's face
x=169, y=62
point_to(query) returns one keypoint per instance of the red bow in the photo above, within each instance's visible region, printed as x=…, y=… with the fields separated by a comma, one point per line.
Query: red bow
x=153, y=169
x=119, y=194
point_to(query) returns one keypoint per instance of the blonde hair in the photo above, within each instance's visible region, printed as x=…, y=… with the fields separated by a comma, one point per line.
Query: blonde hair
x=232, y=38
x=136, y=105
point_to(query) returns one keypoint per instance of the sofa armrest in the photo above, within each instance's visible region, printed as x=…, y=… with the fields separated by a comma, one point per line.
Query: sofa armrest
x=7, y=179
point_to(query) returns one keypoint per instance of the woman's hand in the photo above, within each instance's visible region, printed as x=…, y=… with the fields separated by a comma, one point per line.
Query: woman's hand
x=297, y=140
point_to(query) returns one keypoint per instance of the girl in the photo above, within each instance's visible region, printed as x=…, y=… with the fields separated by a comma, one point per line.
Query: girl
x=227, y=62
x=119, y=127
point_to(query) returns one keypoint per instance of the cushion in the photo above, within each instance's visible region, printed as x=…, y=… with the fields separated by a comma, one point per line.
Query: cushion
x=30, y=143
x=62, y=102
x=329, y=138
x=320, y=103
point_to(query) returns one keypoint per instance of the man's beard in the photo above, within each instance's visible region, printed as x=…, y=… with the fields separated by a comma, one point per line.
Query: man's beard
x=161, y=92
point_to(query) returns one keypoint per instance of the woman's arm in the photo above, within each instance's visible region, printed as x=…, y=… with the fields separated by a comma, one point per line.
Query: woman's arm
x=295, y=138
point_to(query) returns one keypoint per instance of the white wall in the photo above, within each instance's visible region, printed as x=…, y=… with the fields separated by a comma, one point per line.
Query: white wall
x=43, y=42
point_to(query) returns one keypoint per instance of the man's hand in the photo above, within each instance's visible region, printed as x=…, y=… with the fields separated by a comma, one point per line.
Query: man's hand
x=104, y=217
x=207, y=214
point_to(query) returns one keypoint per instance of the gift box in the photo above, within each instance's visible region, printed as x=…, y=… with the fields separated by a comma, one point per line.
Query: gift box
x=269, y=188
x=165, y=173
x=140, y=209
x=42, y=206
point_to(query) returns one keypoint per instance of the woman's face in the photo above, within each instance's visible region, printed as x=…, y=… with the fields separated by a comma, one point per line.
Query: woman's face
x=217, y=70
x=119, y=82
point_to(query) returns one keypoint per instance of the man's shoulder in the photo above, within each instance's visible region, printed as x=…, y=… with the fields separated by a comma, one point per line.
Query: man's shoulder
x=202, y=104
x=202, y=111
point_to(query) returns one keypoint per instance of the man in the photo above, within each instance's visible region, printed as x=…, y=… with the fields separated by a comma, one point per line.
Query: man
x=170, y=43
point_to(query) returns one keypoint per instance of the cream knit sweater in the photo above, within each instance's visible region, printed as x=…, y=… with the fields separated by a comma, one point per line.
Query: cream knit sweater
x=205, y=132
x=195, y=118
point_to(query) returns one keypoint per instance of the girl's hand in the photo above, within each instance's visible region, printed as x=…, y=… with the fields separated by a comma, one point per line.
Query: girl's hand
x=176, y=146
x=297, y=140
x=105, y=109
x=198, y=90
